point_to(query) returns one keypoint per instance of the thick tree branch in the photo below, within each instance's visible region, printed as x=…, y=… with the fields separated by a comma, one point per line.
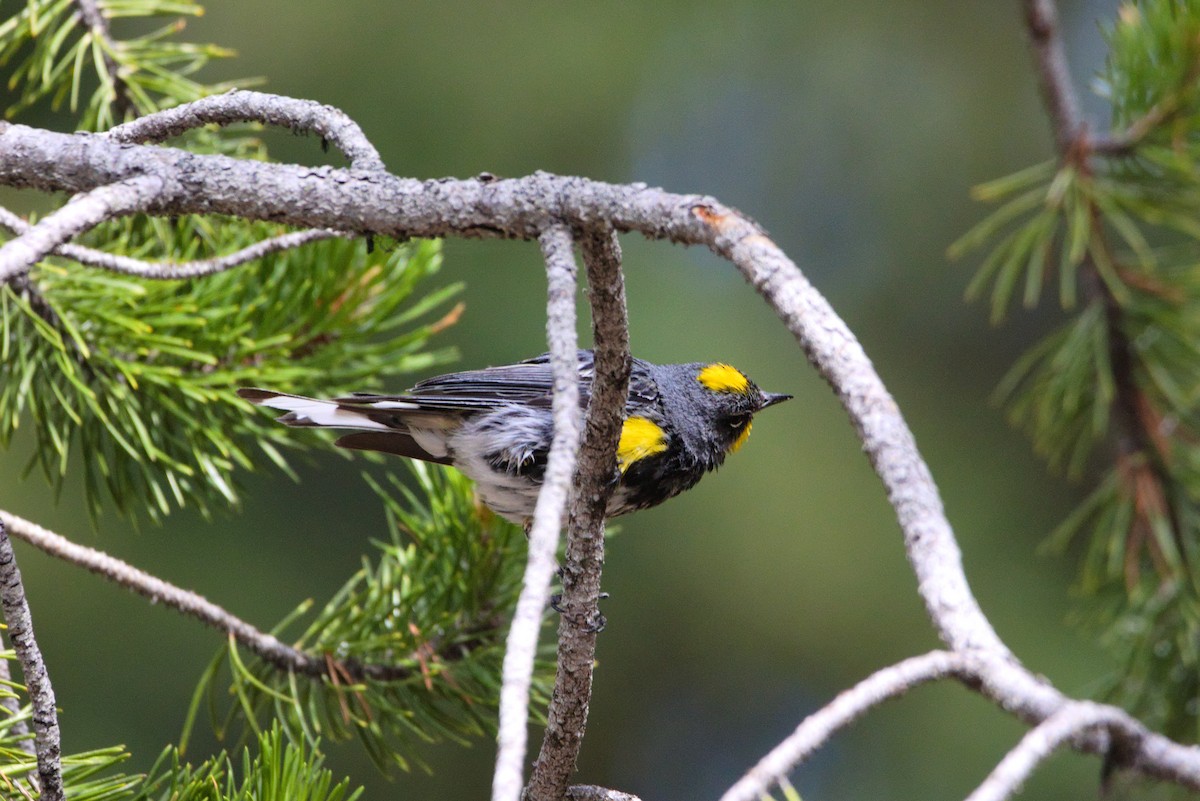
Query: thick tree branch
x=1046, y=738
x=587, y=792
x=46, y=741
x=566, y=719
x=78, y=215
x=548, y=517
x=301, y=116
x=173, y=271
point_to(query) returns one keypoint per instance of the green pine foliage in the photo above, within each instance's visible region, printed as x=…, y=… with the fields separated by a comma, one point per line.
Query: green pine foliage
x=129, y=383
x=137, y=376
x=1113, y=395
x=433, y=610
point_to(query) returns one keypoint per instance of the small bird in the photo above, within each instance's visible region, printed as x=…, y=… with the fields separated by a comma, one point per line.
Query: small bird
x=495, y=425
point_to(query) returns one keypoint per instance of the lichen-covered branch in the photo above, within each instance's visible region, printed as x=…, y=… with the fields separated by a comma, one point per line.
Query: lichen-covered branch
x=301, y=116
x=174, y=271
x=1047, y=737
x=81, y=213
x=46, y=741
x=566, y=720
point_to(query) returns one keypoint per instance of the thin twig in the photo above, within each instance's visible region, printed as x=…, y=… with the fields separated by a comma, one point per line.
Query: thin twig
x=46, y=741
x=263, y=645
x=851, y=704
x=1046, y=738
x=79, y=214
x=566, y=719
x=1054, y=73
x=302, y=116
x=548, y=516
x=94, y=18
x=171, y=271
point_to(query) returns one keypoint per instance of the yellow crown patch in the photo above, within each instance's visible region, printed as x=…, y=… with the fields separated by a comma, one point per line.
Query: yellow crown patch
x=723, y=378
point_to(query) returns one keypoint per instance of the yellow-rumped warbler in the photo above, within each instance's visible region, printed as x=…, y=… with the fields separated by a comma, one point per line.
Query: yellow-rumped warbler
x=681, y=421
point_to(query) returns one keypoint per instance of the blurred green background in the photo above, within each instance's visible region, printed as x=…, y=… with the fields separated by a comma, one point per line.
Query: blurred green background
x=852, y=132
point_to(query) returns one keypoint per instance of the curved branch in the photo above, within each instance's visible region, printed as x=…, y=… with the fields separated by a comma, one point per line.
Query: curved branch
x=566, y=718
x=237, y=105
x=851, y=704
x=1046, y=738
x=46, y=741
x=172, y=271
x=548, y=516
x=78, y=215
x=266, y=646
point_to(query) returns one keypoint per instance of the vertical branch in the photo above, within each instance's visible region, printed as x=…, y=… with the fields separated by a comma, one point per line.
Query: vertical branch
x=594, y=481
x=548, y=515
x=46, y=741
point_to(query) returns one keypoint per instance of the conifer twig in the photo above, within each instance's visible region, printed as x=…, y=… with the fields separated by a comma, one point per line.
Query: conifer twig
x=566, y=718
x=93, y=18
x=80, y=213
x=171, y=271
x=238, y=105
x=548, y=517
x=1054, y=73
x=46, y=741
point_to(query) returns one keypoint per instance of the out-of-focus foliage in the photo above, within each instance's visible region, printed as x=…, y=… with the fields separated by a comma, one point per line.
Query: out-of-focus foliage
x=431, y=614
x=1114, y=227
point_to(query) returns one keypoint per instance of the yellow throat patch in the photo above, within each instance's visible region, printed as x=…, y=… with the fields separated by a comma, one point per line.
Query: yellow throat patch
x=741, y=438
x=640, y=438
x=723, y=378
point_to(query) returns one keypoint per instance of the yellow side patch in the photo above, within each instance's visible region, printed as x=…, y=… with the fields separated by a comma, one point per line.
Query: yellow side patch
x=639, y=438
x=723, y=378
x=741, y=438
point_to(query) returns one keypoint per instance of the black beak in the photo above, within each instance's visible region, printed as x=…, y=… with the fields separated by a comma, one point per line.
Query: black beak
x=772, y=398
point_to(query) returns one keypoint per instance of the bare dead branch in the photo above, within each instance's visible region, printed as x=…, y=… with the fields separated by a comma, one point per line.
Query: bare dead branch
x=301, y=116
x=46, y=741
x=172, y=271
x=78, y=215
x=851, y=704
x=1046, y=738
x=566, y=719
x=548, y=517
x=193, y=605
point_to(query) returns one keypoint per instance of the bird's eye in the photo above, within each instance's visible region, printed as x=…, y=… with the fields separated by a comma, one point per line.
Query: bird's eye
x=737, y=422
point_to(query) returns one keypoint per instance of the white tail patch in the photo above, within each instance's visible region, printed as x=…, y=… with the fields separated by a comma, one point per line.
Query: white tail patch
x=310, y=411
